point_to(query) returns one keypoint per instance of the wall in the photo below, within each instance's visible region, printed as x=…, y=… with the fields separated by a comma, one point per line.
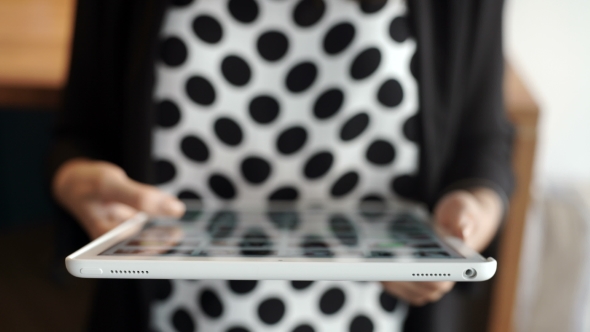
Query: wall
x=549, y=43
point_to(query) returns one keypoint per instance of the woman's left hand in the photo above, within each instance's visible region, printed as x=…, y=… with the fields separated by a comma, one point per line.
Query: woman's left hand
x=472, y=215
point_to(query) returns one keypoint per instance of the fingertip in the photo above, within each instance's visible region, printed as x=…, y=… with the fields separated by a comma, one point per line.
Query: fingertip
x=173, y=207
x=466, y=225
x=448, y=286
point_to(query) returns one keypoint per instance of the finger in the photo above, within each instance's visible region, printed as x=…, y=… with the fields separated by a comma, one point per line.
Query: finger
x=427, y=286
x=98, y=218
x=141, y=197
x=465, y=225
x=118, y=212
x=427, y=291
x=402, y=291
x=453, y=213
x=437, y=286
x=435, y=291
x=95, y=227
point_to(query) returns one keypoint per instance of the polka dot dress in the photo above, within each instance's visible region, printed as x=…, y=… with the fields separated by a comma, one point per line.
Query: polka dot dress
x=298, y=100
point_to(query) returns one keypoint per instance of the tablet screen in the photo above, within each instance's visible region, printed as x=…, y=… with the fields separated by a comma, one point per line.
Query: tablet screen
x=288, y=233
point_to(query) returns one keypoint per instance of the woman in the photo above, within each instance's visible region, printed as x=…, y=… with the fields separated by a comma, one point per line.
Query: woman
x=261, y=100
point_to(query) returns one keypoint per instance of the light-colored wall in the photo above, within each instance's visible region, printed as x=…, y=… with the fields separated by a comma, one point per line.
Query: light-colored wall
x=549, y=43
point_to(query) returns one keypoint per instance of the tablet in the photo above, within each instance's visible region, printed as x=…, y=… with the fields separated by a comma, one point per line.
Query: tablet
x=397, y=243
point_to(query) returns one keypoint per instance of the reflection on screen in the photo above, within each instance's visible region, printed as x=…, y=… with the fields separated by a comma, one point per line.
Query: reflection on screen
x=288, y=233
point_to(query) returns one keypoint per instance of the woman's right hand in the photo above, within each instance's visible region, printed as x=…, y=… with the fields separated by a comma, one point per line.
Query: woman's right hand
x=100, y=195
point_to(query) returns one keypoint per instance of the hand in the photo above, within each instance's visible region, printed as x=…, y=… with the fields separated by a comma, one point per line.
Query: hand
x=418, y=293
x=473, y=216
x=100, y=195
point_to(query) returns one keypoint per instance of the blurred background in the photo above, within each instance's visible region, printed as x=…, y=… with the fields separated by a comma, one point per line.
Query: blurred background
x=543, y=281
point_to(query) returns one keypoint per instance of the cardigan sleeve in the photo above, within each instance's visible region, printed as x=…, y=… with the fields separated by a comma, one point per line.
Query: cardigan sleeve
x=483, y=144
x=89, y=123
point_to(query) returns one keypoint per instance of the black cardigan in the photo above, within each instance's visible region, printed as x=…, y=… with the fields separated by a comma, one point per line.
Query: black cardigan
x=466, y=138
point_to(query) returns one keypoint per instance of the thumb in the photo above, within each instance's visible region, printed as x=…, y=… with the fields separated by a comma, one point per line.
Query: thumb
x=453, y=215
x=142, y=197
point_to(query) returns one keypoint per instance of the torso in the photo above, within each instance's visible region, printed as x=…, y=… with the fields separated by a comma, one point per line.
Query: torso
x=294, y=100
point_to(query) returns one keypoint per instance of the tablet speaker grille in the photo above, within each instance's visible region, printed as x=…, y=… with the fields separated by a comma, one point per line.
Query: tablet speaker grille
x=129, y=272
x=431, y=274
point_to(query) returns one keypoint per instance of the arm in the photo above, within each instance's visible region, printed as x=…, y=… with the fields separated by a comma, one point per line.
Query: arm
x=90, y=122
x=483, y=144
x=478, y=178
x=85, y=178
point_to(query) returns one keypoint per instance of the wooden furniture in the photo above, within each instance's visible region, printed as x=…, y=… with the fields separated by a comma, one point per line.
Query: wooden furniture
x=34, y=53
x=524, y=113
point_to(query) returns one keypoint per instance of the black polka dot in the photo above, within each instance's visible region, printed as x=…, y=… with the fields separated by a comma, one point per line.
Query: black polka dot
x=255, y=169
x=200, y=90
x=272, y=45
x=301, y=77
x=210, y=303
x=264, y=109
x=372, y=6
x=380, y=152
x=390, y=93
x=345, y=184
x=291, y=140
x=242, y=286
x=412, y=128
x=238, y=329
x=365, y=64
x=163, y=289
x=399, y=29
x=284, y=194
x=338, y=38
x=344, y=230
x=222, y=224
x=301, y=284
x=332, y=301
x=361, y=323
x=207, y=29
x=180, y=3
x=236, y=70
x=182, y=321
x=373, y=199
x=271, y=310
x=284, y=219
x=372, y=206
x=222, y=186
x=255, y=243
x=309, y=12
x=173, y=52
x=388, y=302
x=354, y=126
x=318, y=165
x=194, y=148
x=304, y=328
x=406, y=186
x=164, y=170
x=167, y=114
x=244, y=11
x=188, y=194
x=328, y=103
x=228, y=131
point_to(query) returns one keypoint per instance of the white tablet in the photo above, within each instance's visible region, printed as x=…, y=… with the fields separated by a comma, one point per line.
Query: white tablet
x=398, y=243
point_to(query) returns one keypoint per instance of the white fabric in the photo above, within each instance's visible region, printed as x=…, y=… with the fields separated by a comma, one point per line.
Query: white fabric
x=554, y=286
